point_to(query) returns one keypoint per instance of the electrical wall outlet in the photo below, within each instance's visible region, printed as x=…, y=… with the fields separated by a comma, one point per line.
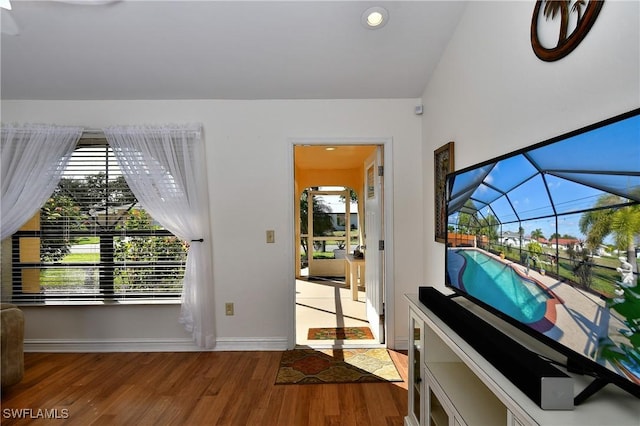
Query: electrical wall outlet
x=228, y=308
x=271, y=236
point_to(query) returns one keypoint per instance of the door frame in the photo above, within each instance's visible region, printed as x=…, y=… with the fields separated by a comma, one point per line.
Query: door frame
x=389, y=269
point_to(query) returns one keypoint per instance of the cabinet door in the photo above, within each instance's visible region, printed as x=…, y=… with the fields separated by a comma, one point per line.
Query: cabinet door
x=438, y=413
x=458, y=422
x=439, y=410
x=512, y=420
x=416, y=358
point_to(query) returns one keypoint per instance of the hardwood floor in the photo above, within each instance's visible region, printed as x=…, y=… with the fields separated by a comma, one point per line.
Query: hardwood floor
x=187, y=388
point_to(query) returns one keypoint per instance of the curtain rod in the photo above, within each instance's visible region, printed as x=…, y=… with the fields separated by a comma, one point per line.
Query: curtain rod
x=92, y=134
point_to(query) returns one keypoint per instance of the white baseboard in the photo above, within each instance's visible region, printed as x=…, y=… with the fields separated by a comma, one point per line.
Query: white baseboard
x=110, y=345
x=251, y=344
x=152, y=345
x=402, y=344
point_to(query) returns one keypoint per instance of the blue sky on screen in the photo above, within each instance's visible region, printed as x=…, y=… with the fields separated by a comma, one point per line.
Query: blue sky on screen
x=577, y=172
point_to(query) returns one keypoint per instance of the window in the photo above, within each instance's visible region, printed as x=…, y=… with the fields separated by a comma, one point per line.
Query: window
x=93, y=240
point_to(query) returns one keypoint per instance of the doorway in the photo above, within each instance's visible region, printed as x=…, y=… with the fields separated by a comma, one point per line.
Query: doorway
x=327, y=295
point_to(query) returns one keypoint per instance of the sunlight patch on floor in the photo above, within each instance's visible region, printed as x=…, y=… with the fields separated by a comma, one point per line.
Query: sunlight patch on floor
x=328, y=303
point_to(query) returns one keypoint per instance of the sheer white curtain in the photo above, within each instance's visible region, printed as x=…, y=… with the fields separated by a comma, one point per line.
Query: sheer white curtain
x=165, y=168
x=33, y=159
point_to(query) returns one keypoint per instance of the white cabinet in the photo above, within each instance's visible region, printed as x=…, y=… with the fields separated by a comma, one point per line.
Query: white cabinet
x=459, y=397
x=416, y=373
x=439, y=409
x=442, y=389
x=450, y=384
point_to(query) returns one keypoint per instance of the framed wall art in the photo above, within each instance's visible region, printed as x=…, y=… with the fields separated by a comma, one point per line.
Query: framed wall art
x=371, y=188
x=443, y=163
x=575, y=19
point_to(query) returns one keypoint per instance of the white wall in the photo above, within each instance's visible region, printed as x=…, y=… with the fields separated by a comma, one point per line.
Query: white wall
x=491, y=94
x=248, y=146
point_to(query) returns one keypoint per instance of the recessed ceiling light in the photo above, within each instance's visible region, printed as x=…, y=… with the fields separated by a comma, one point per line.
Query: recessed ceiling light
x=374, y=17
x=330, y=148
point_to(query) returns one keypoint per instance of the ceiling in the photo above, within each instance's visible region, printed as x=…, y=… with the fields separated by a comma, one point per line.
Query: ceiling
x=222, y=50
x=338, y=157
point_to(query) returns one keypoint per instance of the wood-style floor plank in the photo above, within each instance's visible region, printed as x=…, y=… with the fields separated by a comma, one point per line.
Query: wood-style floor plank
x=191, y=388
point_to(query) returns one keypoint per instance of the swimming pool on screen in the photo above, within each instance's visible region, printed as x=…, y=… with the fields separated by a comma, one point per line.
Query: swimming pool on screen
x=497, y=284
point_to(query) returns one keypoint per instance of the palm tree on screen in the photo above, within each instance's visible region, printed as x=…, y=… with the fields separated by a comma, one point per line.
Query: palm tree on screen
x=621, y=222
x=537, y=234
x=625, y=225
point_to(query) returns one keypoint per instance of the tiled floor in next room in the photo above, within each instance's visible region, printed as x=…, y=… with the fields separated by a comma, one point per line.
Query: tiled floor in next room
x=327, y=302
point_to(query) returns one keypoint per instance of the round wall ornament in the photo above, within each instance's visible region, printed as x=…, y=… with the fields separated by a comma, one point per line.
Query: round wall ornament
x=554, y=39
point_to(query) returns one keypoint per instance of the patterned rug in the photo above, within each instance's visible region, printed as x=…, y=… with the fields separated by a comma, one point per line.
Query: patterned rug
x=340, y=333
x=306, y=366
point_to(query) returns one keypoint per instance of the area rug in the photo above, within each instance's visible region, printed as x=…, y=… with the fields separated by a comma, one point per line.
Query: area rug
x=308, y=366
x=340, y=333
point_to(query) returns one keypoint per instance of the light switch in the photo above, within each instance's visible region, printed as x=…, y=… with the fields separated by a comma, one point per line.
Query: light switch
x=228, y=308
x=271, y=236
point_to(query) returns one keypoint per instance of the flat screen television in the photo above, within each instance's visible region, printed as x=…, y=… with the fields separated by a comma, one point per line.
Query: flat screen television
x=547, y=238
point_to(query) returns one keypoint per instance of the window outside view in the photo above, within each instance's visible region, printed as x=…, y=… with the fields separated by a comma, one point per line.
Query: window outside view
x=93, y=240
x=329, y=239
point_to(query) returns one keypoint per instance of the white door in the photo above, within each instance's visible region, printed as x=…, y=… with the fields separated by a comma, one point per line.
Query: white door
x=374, y=243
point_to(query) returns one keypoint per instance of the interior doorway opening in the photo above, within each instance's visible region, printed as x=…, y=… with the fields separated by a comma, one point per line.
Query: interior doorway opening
x=331, y=290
